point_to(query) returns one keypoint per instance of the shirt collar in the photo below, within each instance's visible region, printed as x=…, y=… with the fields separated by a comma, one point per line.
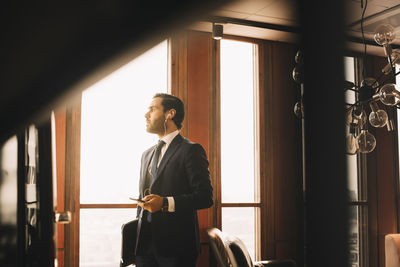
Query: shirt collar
x=169, y=137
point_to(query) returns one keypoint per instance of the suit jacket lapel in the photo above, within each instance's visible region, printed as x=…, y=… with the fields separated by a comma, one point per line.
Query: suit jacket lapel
x=145, y=168
x=170, y=151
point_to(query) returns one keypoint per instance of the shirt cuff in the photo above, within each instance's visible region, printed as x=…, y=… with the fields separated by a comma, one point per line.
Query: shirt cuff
x=171, y=204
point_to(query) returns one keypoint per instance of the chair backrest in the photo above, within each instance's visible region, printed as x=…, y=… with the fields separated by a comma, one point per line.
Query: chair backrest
x=240, y=252
x=392, y=250
x=220, y=248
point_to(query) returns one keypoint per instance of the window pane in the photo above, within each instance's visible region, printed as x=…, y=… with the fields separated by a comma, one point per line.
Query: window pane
x=8, y=202
x=350, y=98
x=240, y=222
x=237, y=122
x=352, y=176
x=8, y=182
x=358, y=236
x=349, y=75
x=398, y=115
x=100, y=236
x=113, y=128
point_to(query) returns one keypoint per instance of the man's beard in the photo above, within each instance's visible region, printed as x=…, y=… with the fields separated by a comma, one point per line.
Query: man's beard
x=157, y=126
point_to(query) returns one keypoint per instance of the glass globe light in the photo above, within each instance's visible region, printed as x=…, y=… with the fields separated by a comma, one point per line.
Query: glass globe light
x=366, y=142
x=351, y=145
x=384, y=34
x=395, y=56
x=297, y=74
x=298, y=110
x=299, y=58
x=378, y=117
x=389, y=95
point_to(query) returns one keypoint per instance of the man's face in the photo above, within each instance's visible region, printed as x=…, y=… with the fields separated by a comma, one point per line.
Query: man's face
x=155, y=117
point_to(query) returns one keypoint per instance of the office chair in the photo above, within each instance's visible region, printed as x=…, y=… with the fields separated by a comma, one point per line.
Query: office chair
x=230, y=251
x=221, y=251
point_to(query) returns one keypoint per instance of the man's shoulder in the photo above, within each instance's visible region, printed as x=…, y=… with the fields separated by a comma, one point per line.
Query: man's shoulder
x=187, y=142
x=190, y=144
x=150, y=149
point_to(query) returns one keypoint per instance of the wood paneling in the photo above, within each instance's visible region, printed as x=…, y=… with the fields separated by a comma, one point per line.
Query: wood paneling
x=60, y=132
x=282, y=166
x=178, y=66
x=280, y=135
x=72, y=175
x=198, y=88
x=191, y=81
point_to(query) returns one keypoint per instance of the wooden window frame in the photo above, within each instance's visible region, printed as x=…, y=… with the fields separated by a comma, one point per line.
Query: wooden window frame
x=71, y=232
x=260, y=223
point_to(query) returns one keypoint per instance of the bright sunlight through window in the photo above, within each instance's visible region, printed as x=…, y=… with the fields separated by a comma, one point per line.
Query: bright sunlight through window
x=113, y=137
x=238, y=140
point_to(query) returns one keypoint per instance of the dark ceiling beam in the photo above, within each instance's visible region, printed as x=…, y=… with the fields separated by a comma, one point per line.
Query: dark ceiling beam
x=382, y=13
x=257, y=24
x=282, y=28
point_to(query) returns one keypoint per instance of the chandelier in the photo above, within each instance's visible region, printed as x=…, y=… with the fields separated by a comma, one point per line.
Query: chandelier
x=369, y=93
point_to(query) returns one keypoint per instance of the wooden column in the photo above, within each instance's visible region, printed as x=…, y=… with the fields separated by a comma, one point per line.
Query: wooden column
x=281, y=161
x=60, y=128
x=191, y=81
x=72, y=175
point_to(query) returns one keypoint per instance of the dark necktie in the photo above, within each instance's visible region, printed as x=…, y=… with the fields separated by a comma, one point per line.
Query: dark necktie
x=153, y=169
x=154, y=163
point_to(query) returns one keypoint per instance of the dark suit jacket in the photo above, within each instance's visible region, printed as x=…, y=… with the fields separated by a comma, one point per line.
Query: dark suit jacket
x=182, y=174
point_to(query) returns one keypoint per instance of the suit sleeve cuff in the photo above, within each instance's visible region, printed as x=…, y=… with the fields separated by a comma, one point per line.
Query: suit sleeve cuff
x=171, y=204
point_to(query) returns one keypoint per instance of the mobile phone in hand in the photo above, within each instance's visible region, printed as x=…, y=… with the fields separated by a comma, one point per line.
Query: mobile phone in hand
x=136, y=199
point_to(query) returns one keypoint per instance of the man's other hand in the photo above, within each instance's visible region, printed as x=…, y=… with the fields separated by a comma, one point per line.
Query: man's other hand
x=152, y=203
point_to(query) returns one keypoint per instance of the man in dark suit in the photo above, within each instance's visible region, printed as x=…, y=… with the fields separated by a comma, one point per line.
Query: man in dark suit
x=174, y=184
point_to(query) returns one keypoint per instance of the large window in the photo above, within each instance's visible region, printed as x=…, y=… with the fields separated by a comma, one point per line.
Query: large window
x=113, y=137
x=358, y=219
x=240, y=200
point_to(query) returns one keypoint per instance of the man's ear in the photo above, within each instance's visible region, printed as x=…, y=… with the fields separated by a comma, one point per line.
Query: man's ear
x=171, y=113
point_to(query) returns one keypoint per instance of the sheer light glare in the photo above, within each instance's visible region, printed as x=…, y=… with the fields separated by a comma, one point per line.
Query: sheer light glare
x=113, y=137
x=238, y=141
x=350, y=98
x=237, y=122
x=113, y=133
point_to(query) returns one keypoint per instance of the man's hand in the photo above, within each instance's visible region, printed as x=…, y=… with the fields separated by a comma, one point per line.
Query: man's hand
x=152, y=203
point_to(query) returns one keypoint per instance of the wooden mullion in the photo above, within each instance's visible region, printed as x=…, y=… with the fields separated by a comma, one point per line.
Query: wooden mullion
x=215, y=130
x=60, y=132
x=72, y=188
x=240, y=205
x=178, y=65
x=267, y=153
x=107, y=206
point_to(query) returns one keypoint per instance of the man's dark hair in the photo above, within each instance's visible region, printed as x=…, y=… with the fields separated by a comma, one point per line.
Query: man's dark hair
x=172, y=102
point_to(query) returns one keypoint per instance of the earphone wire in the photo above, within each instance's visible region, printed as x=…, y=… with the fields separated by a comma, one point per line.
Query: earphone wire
x=363, y=37
x=165, y=127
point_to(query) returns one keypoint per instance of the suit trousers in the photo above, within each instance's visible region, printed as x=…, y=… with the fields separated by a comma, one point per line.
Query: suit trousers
x=149, y=257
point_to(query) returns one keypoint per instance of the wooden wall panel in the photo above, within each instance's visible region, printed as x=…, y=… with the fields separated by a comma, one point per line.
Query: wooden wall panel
x=198, y=74
x=60, y=128
x=72, y=176
x=382, y=180
x=179, y=70
x=281, y=164
x=284, y=135
x=198, y=88
x=190, y=80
